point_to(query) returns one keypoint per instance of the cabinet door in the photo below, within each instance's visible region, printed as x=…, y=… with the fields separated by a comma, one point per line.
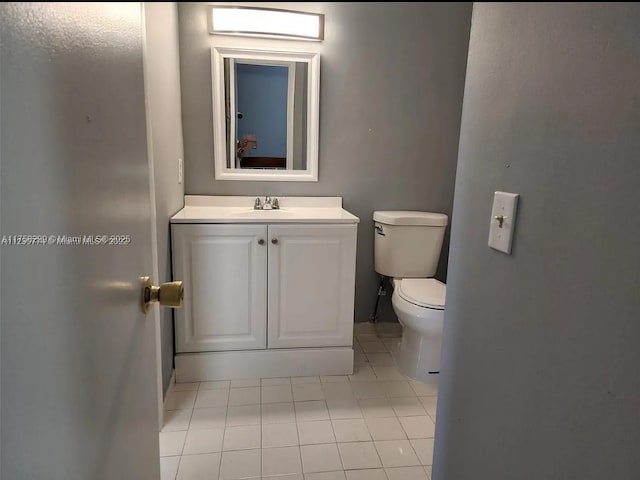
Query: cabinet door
x=311, y=285
x=225, y=295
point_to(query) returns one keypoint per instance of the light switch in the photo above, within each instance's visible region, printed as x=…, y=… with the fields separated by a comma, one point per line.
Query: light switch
x=503, y=219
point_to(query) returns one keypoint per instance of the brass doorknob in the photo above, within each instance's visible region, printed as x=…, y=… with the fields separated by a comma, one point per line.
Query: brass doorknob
x=168, y=294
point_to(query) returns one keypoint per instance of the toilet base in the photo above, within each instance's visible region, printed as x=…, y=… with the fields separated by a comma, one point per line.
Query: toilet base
x=418, y=356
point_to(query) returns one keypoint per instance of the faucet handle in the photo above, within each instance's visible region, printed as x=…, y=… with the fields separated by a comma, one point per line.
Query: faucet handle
x=275, y=204
x=257, y=204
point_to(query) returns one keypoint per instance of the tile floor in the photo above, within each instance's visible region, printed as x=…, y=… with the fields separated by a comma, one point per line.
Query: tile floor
x=373, y=425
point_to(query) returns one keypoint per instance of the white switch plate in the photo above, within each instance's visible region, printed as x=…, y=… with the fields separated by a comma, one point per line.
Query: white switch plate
x=180, y=171
x=504, y=205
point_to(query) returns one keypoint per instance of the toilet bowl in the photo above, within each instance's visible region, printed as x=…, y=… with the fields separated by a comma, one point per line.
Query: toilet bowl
x=419, y=306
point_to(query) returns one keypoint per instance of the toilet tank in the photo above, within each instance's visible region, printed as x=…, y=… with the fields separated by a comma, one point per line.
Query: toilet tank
x=408, y=244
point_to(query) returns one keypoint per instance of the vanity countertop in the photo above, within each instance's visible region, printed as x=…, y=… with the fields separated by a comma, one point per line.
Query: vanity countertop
x=226, y=209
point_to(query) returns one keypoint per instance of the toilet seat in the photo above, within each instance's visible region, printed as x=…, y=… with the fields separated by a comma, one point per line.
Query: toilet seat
x=422, y=292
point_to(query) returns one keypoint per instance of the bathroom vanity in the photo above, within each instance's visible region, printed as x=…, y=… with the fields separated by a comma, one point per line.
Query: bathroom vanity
x=268, y=293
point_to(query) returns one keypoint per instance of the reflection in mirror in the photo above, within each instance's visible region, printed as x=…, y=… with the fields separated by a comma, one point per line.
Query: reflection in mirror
x=265, y=103
x=265, y=106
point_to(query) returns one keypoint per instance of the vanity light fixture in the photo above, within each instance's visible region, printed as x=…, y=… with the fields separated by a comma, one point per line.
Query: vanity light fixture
x=266, y=22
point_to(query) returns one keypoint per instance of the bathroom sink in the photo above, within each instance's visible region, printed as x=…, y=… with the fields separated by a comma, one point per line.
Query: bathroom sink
x=258, y=214
x=204, y=209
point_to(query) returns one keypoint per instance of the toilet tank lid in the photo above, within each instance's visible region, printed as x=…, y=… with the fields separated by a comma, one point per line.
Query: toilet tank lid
x=405, y=217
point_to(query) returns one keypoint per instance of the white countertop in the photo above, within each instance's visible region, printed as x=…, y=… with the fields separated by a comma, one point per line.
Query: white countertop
x=225, y=209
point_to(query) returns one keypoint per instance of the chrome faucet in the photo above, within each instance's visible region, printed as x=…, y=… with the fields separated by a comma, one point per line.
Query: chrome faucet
x=268, y=204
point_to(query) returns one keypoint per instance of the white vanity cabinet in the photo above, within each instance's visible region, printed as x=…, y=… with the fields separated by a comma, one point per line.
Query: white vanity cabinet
x=266, y=294
x=295, y=282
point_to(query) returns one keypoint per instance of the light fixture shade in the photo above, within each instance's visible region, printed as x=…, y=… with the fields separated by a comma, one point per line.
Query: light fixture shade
x=266, y=22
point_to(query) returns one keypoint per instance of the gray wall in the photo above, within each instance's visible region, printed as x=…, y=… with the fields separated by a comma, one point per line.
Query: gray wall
x=540, y=368
x=392, y=77
x=165, y=124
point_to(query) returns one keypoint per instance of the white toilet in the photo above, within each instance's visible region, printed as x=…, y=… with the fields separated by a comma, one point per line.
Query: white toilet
x=407, y=249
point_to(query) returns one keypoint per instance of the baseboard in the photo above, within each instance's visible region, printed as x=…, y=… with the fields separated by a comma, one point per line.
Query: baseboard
x=295, y=362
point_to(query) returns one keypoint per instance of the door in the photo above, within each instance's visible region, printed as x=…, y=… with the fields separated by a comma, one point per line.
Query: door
x=224, y=268
x=79, y=398
x=311, y=285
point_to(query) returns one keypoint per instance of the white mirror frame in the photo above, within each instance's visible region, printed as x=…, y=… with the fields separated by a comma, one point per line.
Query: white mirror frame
x=222, y=171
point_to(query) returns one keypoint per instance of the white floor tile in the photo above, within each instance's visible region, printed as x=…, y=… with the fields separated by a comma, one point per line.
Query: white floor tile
x=310, y=411
x=180, y=400
x=364, y=327
x=199, y=467
x=176, y=420
x=241, y=464
x=171, y=443
x=337, y=390
x=430, y=404
x=344, y=408
x=203, y=441
x=406, y=473
x=418, y=427
x=320, y=458
x=183, y=387
x=219, y=384
x=359, y=360
x=407, y=406
x=351, y=430
x=270, y=382
x=316, y=432
x=307, y=391
x=244, y=396
x=427, y=470
x=252, y=382
x=279, y=435
x=424, y=449
x=375, y=346
x=212, y=398
x=424, y=389
x=363, y=373
x=281, y=461
x=338, y=475
x=367, y=337
x=244, y=437
x=369, y=474
x=396, y=453
x=296, y=476
x=386, y=429
x=206, y=418
x=368, y=390
x=334, y=378
x=359, y=455
x=278, y=413
x=243, y=415
x=376, y=408
x=277, y=394
x=397, y=388
x=169, y=468
x=299, y=380
x=387, y=373
x=380, y=359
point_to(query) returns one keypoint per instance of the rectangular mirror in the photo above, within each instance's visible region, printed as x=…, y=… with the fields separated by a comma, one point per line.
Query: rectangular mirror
x=265, y=114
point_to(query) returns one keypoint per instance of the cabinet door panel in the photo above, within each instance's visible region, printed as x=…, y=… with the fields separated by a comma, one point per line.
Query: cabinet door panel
x=224, y=272
x=311, y=285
